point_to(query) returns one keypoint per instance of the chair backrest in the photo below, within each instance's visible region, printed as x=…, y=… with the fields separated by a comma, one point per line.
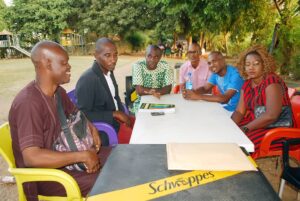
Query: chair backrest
x=176, y=89
x=286, y=148
x=6, y=145
x=215, y=90
x=130, y=93
x=295, y=101
x=72, y=96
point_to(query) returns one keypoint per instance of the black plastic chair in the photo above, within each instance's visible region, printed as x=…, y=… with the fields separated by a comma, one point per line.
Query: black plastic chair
x=289, y=174
x=130, y=93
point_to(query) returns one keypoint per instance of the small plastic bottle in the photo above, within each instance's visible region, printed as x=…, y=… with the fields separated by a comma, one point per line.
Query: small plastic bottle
x=189, y=83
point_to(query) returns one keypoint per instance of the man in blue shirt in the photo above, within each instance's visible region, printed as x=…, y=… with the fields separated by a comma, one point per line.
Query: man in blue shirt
x=225, y=77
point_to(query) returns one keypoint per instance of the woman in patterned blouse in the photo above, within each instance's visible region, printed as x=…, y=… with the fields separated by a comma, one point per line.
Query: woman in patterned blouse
x=261, y=88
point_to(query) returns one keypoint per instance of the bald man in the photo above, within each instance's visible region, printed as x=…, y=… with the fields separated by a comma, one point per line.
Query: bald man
x=151, y=76
x=35, y=125
x=98, y=95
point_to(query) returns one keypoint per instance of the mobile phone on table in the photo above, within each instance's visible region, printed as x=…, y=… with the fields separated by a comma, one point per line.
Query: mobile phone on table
x=157, y=113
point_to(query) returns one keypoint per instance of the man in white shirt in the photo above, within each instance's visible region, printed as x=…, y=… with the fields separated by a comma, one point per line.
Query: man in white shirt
x=97, y=90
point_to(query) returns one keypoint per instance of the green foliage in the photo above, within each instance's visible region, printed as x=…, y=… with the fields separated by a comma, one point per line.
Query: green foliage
x=118, y=17
x=235, y=48
x=295, y=69
x=228, y=20
x=2, y=10
x=226, y=25
x=137, y=40
x=40, y=19
x=77, y=13
x=287, y=52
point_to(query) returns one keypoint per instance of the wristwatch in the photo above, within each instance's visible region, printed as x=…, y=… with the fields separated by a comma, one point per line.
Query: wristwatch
x=245, y=129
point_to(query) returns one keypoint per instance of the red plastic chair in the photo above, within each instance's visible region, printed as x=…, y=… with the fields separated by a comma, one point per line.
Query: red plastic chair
x=295, y=101
x=274, y=134
x=176, y=89
x=215, y=90
x=278, y=133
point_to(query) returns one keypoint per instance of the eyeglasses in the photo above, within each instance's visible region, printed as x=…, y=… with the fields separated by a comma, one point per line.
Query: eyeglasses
x=194, y=52
x=254, y=64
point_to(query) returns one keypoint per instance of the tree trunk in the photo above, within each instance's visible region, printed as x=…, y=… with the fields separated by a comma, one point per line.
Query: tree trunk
x=287, y=51
x=175, y=39
x=201, y=39
x=274, y=38
x=225, y=43
x=189, y=40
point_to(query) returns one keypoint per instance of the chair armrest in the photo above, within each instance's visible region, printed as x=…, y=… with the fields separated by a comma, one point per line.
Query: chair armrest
x=109, y=130
x=126, y=111
x=44, y=174
x=274, y=134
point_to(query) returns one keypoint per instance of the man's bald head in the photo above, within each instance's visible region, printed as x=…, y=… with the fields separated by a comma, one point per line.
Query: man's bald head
x=216, y=53
x=45, y=50
x=101, y=42
x=51, y=63
x=216, y=63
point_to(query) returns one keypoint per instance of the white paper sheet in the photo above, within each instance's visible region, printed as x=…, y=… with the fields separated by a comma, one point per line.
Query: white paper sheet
x=208, y=156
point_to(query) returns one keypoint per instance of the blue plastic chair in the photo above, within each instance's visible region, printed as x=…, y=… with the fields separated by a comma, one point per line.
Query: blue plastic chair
x=101, y=126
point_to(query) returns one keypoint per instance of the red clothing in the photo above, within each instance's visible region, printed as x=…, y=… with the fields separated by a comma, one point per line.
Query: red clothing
x=125, y=132
x=34, y=123
x=257, y=96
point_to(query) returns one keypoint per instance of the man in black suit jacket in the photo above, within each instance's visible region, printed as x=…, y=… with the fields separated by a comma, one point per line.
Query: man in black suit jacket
x=97, y=90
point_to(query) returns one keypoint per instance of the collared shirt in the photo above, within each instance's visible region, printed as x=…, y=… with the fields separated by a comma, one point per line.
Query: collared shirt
x=111, y=88
x=200, y=74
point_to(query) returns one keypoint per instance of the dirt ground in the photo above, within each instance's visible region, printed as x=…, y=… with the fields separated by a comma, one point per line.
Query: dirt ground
x=16, y=73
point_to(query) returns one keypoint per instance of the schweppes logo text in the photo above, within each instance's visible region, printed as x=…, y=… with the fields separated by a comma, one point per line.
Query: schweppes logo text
x=163, y=187
x=190, y=182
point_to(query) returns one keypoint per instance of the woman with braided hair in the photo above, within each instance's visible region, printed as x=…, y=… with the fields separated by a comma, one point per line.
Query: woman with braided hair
x=263, y=87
